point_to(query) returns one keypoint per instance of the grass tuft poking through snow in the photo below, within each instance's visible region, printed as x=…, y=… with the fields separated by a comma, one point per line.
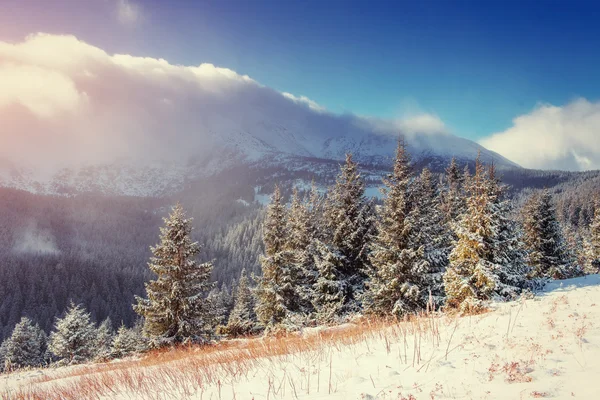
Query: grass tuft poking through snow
x=547, y=346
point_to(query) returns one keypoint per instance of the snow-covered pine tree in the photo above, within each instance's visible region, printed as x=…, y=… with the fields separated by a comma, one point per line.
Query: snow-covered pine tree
x=302, y=234
x=348, y=227
x=397, y=258
x=74, y=337
x=432, y=234
x=276, y=291
x=242, y=319
x=453, y=199
x=128, y=341
x=222, y=303
x=470, y=279
x=26, y=347
x=104, y=338
x=3, y=346
x=329, y=292
x=315, y=205
x=507, y=251
x=176, y=310
x=593, y=242
x=547, y=253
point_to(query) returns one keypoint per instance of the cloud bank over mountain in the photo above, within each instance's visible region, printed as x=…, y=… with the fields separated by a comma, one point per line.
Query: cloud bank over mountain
x=65, y=102
x=552, y=137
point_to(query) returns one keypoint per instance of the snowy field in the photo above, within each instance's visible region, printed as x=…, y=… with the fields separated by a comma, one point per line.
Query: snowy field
x=547, y=346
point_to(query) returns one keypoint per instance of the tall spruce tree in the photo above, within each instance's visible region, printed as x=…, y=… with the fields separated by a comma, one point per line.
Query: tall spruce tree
x=471, y=279
x=302, y=234
x=175, y=310
x=453, y=199
x=397, y=257
x=26, y=347
x=507, y=249
x=547, y=253
x=276, y=293
x=432, y=235
x=348, y=227
x=74, y=338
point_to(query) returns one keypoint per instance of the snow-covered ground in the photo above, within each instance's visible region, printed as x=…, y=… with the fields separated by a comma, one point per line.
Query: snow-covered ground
x=547, y=346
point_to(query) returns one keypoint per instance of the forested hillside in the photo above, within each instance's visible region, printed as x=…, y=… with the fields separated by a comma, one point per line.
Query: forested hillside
x=93, y=249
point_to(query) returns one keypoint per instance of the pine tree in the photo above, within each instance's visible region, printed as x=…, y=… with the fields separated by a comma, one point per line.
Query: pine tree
x=547, y=254
x=276, y=292
x=176, y=310
x=3, y=347
x=104, y=338
x=397, y=259
x=127, y=342
x=348, y=224
x=330, y=286
x=507, y=251
x=74, y=337
x=470, y=279
x=302, y=233
x=222, y=303
x=26, y=347
x=593, y=244
x=453, y=203
x=242, y=319
x=431, y=233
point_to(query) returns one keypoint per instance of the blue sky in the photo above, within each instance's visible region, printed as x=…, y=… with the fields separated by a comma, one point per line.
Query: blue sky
x=475, y=64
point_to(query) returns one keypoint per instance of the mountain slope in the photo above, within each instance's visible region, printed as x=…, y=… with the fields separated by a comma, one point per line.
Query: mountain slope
x=546, y=346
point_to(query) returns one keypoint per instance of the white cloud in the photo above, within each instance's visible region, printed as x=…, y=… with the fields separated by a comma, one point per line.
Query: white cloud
x=313, y=105
x=46, y=93
x=79, y=104
x=412, y=125
x=128, y=12
x=552, y=137
x=422, y=123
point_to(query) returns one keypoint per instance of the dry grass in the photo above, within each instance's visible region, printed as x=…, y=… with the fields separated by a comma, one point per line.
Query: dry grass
x=186, y=371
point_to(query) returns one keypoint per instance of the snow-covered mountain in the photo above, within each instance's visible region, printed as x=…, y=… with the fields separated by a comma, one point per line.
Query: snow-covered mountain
x=143, y=126
x=160, y=178
x=298, y=145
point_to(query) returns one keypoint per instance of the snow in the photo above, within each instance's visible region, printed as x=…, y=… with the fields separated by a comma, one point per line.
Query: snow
x=546, y=346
